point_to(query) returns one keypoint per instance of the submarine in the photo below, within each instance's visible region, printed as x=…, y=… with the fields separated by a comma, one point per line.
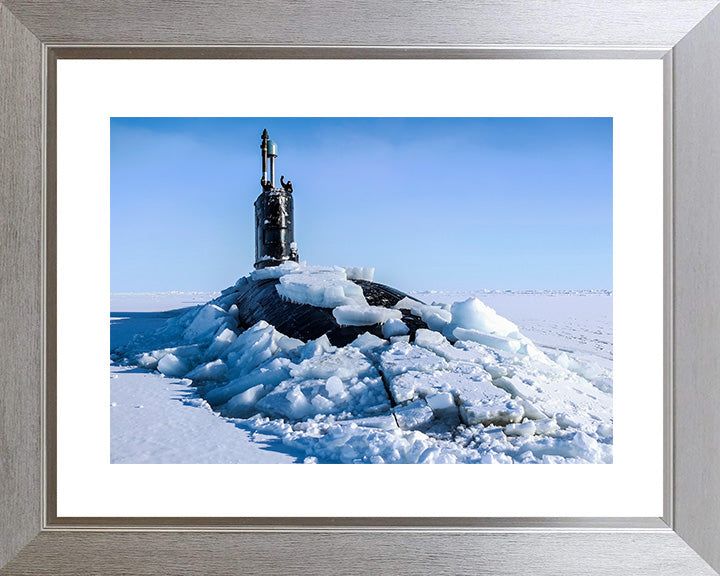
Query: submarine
x=259, y=299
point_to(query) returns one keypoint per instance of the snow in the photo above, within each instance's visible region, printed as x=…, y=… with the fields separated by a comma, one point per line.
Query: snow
x=472, y=388
x=154, y=419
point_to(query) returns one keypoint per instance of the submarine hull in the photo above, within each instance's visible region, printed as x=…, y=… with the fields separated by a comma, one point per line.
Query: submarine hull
x=259, y=300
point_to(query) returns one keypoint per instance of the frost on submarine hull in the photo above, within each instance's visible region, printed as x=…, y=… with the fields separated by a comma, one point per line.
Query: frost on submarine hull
x=259, y=299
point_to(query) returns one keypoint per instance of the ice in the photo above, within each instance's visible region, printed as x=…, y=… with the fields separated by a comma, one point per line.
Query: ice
x=290, y=404
x=243, y=404
x=147, y=361
x=214, y=370
x=366, y=274
x=356, y=315
x=322, y=405
x=367, y=342
x=414, y=415
x=269, y=375
x=334, y=386
x=523, y=429
x=435, y=317
x=289, y=345
x=172, y=366
x=546, y=426
x=482, y=411
x=394, y=327
x=441, y=403
x=406, y=303
x=474, y=315
x=220, y=343
x=316, y=347
x=409, y=385
x=208, y=319
x=325, y=287
x=275, y=271
x=461, y=351
x=357, y=396
x=470, y=388
x=345, y=363
x=404, y=357
x=251, y=348
x=496, y=342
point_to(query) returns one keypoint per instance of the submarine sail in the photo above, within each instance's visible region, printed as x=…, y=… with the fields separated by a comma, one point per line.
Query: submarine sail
x=274, y=214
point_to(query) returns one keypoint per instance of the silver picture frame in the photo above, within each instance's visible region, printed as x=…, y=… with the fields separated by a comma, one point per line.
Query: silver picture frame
x=685, y=34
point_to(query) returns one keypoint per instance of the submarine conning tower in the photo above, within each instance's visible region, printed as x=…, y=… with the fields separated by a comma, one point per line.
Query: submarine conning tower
x=274, y=214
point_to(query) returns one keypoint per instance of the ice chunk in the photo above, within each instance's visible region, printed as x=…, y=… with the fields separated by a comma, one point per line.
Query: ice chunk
x=462, y=351
x=290, y=403
x=334, y=386
x=406, y=303
x=268, y=375
x=275, y=271
x=524, y=429
x=355, y=315
x=251, y=348
x=214, y=370
x=490, y=412
x=404, y=357
x=410, y=385
x=322, y=405
x=320, y=286
x=603, y=384
x=147, y=361
x=243, y=405
x=363, y=396
x=414, y=415
x=436, y=317
x=172, y=366
x=207, y=321
x=360, y=273
x=496, y=342
x=472, y=314
x=547, y=426
x=220, y=343
x=316, y=347
x=385, y=422
x=394, y=327
x=298, y=405
x=531, y=411
x=441, y=403
x=366, y=342
x=287, y=344
x=345, y=363
x=495, y=370
x=585, y=447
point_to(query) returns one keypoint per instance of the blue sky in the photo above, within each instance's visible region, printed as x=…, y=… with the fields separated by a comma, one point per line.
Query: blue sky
x=430, y=203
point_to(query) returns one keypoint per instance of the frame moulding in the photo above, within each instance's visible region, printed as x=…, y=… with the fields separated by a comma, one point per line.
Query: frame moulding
x=686, y=33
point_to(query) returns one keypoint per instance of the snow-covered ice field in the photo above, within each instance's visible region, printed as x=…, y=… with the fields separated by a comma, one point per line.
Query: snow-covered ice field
x=530, y=384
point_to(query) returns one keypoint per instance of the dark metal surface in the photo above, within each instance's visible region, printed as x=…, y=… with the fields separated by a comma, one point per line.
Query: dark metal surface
x=274, y=215
x=259, y=300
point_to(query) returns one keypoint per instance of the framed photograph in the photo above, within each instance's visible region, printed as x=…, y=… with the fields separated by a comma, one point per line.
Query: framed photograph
x=139, y=159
